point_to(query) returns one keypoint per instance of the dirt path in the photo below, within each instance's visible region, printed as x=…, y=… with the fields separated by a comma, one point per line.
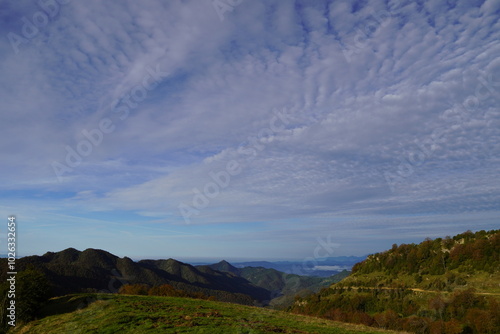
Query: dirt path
x=422, y=290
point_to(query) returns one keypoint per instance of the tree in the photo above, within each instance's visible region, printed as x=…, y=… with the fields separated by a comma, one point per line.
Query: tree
x=417, y=324
x=32, y=292
x=386, y=319
x=437, y=327
x=461, y=302
x=453, y=327
x=134, y=289
x=437, y=304
x=479, y=320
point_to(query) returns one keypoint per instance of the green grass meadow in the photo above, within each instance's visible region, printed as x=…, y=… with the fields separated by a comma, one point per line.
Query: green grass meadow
x=107, y=314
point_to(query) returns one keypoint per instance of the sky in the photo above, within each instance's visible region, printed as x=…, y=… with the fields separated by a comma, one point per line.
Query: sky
x=243, y=129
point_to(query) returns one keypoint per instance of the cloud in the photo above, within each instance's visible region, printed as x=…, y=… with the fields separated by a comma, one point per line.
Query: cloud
x=398, y=89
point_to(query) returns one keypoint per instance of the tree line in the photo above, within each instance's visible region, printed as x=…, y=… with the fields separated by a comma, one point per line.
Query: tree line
x=467, y=252
x=167, y=290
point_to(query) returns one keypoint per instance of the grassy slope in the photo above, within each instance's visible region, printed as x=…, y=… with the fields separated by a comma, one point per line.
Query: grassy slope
x=147, y=314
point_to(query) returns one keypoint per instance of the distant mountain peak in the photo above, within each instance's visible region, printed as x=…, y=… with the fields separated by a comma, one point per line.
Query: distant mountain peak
x=98, y=251
x=225, y=266
x=69, y=250
x=66, y=255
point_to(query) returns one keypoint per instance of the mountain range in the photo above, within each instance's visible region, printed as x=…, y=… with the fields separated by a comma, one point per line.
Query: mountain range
x=445, y=285
x=95, y=270
x=323, y=267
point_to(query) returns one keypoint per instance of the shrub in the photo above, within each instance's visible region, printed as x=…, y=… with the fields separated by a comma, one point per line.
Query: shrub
x=134, y=289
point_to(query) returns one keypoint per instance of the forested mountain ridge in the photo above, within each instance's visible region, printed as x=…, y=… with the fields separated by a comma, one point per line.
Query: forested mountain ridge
x=94, y=270
x=447, y=285
x=465, y=260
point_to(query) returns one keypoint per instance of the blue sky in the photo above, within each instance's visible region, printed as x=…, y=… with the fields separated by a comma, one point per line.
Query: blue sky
x=248, y=129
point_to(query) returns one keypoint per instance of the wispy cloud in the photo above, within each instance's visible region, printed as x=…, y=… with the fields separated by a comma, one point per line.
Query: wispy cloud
x=401, y=104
